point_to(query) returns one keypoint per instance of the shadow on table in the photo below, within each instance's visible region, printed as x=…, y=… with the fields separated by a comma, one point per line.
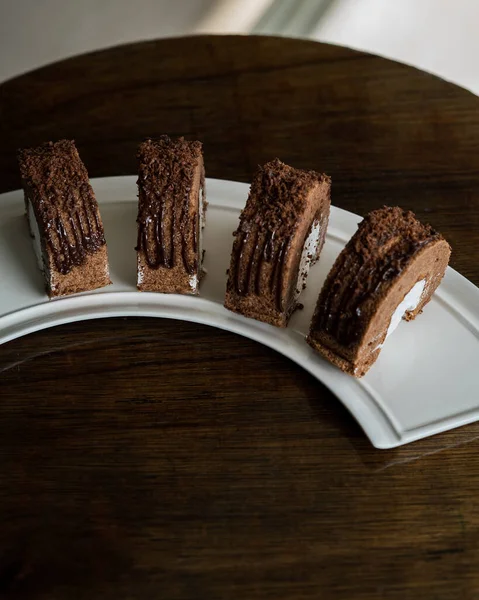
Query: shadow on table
x=378, y=460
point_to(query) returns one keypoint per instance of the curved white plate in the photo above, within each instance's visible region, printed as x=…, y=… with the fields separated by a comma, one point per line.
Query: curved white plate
x=426, y=379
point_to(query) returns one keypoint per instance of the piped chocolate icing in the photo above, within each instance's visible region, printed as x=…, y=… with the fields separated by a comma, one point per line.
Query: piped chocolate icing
x=56, y=183
x=166, y=231
x=253, y=256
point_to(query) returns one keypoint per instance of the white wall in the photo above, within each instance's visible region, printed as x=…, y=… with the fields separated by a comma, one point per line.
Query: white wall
x=440, y=36
x=37, y=32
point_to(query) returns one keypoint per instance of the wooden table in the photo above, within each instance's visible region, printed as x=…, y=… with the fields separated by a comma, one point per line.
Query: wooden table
x=159, y=459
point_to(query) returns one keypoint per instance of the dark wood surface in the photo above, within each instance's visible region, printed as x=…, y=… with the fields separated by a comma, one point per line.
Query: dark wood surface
x=158, y=459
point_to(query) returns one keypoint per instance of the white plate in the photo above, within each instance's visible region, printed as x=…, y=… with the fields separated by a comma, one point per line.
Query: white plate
x=426, y=379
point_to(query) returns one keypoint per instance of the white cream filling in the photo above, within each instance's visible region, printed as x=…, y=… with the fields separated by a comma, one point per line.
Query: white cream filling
x=410, y=303
x=200, y=207
x=200, y=232
x=37, y=244
x=310, y=250
x=140, y=276
x=194, y=279
x=194, y=282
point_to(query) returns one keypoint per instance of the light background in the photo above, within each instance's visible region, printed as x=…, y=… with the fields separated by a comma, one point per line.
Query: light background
x=440, y=36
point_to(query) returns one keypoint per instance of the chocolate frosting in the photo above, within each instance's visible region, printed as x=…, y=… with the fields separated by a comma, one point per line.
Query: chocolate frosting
x=56, y=182
x=277, y=199
x=385, y=243
x=167, y=232
x=262, y=250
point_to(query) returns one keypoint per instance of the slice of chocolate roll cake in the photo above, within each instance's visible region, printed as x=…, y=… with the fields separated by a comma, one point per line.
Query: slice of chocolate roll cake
x=171, y=214
x=281, y=232
x=64, y=219
x=388, y=271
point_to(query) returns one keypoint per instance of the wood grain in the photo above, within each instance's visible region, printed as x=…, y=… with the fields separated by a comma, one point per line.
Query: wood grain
x=153, y=458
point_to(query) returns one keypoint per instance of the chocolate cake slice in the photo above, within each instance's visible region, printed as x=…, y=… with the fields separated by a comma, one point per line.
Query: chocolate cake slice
x=389, y=270
x=64, y=219
x=171, y=215
x=281, y=232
